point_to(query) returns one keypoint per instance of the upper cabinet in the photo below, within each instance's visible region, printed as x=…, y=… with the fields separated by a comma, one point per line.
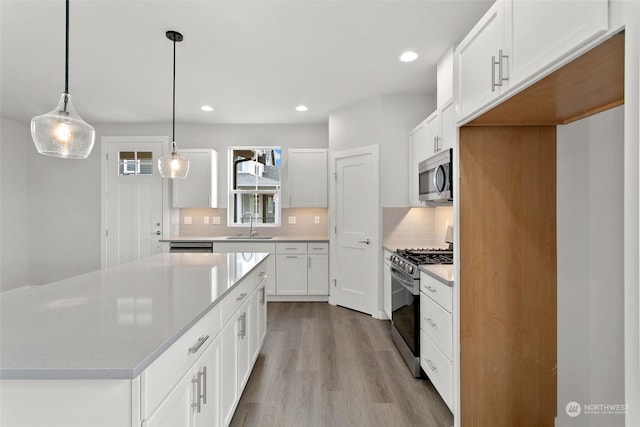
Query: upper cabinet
x=482, y=58
x=516, y=42
x=307, y=178
x=199, y=188
x=544, y=32
x=418, y=151
x=444, y=92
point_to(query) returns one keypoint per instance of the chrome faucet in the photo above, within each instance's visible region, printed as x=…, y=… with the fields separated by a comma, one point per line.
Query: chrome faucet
x=251, y=232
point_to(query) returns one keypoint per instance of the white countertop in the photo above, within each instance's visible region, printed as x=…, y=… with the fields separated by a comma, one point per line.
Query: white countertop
x=442, y=272
x=225, y=239
x=112, y=323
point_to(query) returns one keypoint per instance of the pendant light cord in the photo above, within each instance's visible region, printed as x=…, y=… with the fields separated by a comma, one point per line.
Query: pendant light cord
x=66, y=57
x=173, y=135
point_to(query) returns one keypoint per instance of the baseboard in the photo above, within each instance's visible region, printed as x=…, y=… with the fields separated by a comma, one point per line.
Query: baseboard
x=297, y=298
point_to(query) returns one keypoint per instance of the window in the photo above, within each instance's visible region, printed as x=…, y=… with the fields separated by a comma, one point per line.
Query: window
x=135, y=163
x=254, y=186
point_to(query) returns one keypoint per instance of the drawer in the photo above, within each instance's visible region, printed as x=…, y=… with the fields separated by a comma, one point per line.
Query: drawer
x=291, y=248
x=165, y=372
x=436, y=290
x=437, y=323
x=238, y=295
x=318, y=248
x=438, y=369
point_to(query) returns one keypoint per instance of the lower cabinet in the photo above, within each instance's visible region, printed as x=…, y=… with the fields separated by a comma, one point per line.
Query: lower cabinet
x=302, y=269
x=318, y=274
x=194, y=401
x=227, y=342
x=292, y=274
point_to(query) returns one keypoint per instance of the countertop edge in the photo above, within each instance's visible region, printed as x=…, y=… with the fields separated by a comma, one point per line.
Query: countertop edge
x=424, y=269
x=275, y=239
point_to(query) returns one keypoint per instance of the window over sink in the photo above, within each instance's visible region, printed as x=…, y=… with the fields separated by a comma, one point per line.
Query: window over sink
x=254, y=186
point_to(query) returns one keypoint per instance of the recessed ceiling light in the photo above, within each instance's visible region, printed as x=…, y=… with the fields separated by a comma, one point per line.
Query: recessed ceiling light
x=408, y=56
x=301, y=108
x=207, y=108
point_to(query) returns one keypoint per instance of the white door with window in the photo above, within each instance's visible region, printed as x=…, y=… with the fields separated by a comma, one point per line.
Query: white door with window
x=355, y=212
x=133, y=198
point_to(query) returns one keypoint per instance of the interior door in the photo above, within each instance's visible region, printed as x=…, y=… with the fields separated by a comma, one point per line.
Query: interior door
x=134, y=206
x=355, y=225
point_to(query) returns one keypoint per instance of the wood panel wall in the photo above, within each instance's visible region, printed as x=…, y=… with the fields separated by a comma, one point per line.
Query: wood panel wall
x=508, y=276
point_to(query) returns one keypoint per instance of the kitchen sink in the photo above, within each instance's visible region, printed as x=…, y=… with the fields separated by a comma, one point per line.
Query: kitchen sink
x=249, y=238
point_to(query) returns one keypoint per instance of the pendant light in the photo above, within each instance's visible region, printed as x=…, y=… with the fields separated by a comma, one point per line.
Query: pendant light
x=173, y=165
x=62, y=132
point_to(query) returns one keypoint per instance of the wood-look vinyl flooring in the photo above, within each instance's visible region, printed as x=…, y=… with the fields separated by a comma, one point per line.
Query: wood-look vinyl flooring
x=323, y=365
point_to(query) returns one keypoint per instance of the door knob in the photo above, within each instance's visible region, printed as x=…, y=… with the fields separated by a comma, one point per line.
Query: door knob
x=158, y=233
x=366, y=241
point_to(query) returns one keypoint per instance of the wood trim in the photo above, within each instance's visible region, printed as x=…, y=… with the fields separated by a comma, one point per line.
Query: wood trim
x=590, y=84
x=508, y=276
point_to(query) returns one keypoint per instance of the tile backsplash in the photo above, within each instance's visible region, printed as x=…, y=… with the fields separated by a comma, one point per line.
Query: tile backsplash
x=202, y=223
x=416, y=227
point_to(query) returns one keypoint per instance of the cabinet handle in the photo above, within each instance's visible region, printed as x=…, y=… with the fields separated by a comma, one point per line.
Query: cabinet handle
x=241, y=296
x=501, y=77
x=263, y=295
x=431, y=366
x=243, y=325
x=430, y=322
x=309, y=262
x=430, y=289
x=292, y=256
x=197, y=403
x=203, y=395
x=197, y=345
x=493, y=73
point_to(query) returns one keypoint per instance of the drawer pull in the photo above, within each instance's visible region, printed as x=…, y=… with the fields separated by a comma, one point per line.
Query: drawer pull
x=241, y=296
x=203, y=395
x=431, y=366
x=198, y=384
x=430, y=322
x=430, y=289
x=197, y=345
x=242, y=331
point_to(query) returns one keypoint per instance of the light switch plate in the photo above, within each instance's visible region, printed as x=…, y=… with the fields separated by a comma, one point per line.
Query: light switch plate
x=215, y=219
x=187, y=220
x=316, y=220
x=292, y=220
x=206, y=219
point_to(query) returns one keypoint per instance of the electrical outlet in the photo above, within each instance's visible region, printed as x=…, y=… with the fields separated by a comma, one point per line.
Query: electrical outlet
x=187, y=220
x=292, y=220
x=215, y=219
x=206, y=219
x=316, y=220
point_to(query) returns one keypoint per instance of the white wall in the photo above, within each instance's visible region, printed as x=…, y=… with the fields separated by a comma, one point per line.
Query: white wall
x=386, y=121
x=590, y=266
x=15, y=147
x=50, y=208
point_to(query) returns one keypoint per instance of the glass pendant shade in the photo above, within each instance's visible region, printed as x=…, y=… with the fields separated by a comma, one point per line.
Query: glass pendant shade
x=62, y=132
x=173, y=165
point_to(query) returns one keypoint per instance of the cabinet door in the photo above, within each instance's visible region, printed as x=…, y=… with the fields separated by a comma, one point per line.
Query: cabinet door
x=475, y=53
x=291, y=271
x=243, y=337
x=544, y=32
x=229, y=369
x=262, y=317
x=254, y=328
x=434, y=135
x=307, y=178
x=199, y=188
x=318, y=278
x=207, y=372
x=418, y=151
x=176, y=409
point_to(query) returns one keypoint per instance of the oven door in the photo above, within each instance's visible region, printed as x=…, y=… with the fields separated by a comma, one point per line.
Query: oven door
x=405, y=306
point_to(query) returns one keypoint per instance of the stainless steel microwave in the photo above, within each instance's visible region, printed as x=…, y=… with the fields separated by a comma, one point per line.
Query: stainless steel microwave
x=435, y=178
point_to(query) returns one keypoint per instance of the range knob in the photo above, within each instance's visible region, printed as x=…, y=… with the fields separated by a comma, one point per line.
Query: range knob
x=410, y=269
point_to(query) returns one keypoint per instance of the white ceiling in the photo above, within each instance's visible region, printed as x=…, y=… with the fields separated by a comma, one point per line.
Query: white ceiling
x=253, y=61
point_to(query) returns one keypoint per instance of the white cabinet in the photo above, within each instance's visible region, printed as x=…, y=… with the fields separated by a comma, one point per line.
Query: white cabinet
x=318, y=269
x=199, y=189
x=194, y=401
x=302, y=269
x=544, y=32
x=418, y=151
x=307, y=178
x=444, y=92
x=436, y=335
x=434, y=133
x=483, y=62
x=229, y=369
x=516, y=41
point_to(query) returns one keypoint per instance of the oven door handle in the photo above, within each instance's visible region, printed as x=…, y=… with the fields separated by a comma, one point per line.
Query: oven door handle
x=395, y=274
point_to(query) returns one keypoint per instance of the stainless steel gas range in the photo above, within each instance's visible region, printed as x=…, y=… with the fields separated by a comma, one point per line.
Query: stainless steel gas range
x=405, y=299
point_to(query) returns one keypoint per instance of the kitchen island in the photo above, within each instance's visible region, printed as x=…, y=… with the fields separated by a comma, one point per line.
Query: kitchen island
x=151, y=342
